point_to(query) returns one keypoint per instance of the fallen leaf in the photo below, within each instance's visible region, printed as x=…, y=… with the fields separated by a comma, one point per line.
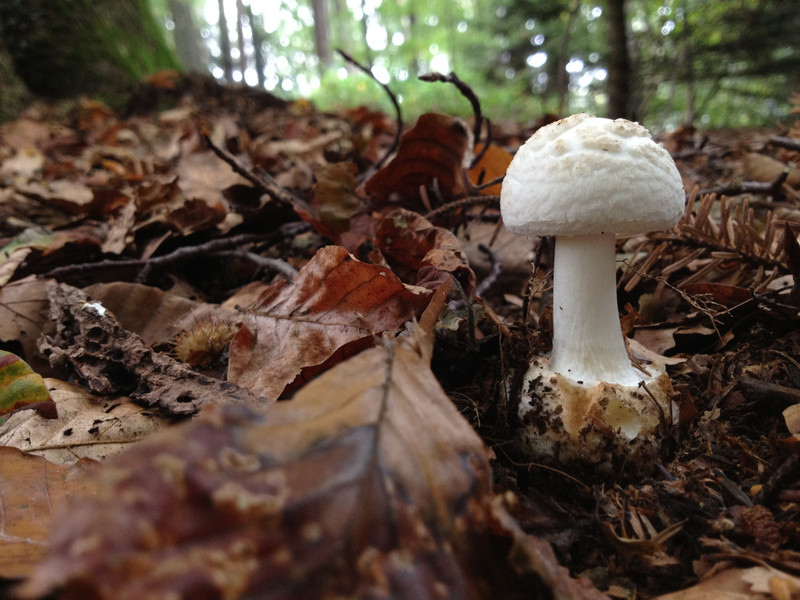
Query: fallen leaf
x=421, y=253
x=31, y=490
x=334, y=300
x=335, y=200
x=155, y=315
x=86, y=427
x=739, y=584
x=759, y=167
x=432, y=154
x=367, y=484
x=24, y=318
x=21, y=388
x=493, y=164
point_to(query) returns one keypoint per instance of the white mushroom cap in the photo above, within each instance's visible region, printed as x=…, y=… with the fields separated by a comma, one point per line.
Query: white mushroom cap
x=585, y=175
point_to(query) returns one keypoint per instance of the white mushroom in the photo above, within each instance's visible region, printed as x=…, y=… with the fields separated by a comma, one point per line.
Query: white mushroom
x=584, y=179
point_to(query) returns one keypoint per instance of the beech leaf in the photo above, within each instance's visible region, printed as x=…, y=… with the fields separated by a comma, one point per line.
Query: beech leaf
x=334, y=300
x=367, y=484
x=31, y=489
x=434, y=150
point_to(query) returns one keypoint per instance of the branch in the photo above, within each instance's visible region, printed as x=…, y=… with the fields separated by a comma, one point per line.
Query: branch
x=398, y=114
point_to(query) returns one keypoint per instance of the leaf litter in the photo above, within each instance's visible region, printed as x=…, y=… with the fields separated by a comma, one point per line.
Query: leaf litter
x=292, y=251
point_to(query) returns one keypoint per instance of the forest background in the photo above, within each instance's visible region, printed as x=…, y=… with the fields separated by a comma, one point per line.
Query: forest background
x=662, y=62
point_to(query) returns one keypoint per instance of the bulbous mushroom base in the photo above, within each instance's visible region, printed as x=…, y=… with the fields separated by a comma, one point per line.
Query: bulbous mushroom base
x=607, y=427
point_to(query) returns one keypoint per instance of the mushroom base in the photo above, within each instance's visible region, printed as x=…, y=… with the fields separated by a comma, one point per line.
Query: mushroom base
x=607, y=426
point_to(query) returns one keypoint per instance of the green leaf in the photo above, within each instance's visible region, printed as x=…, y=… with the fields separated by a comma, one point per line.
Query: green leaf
x=21, y=388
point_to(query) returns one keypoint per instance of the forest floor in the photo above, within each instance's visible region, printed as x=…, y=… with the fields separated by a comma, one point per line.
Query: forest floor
x=289, y=304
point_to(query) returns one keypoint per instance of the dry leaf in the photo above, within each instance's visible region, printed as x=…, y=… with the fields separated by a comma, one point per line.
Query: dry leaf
x=367, y=484
x=86, y=427
x=155, y=315
x=754, y=583
x=493, y=164
x=335, y=200
x=435, y=150
x=31, y=489
x=334, y=300
x=421, y=253
x=24, y=317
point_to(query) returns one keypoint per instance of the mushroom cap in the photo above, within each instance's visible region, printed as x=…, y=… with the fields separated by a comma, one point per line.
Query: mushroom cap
x=586, y=175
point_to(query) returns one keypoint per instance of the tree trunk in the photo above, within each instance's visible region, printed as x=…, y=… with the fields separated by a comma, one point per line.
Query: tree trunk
x=258, y=45
x=562, y=78
x=188, y=45
x=225, y=44
x=619, y=64
x=240, y=16
x=97, y=47
x=322, y=38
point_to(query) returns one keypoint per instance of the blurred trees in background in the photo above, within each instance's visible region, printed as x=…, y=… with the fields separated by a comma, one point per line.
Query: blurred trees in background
x=664, y=62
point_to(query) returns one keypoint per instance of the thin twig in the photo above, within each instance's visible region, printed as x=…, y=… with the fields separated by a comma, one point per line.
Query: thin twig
x=395, y=103
x=180, y=255
x=262, y=262
x=462, y=203
x=785, y=142
x=470, y=95
x=494, y=272
x=264, y=182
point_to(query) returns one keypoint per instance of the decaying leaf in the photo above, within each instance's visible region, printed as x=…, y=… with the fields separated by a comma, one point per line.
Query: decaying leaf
x=335, y=199
x=86, y=427
x=24, y=310
x=434, y=152
x=153, y=314
x=334, y=300
x=109, y=359
x=753, y=583
x=21, y=388
x=420, y=252
x=31, y=490
x=367, y=484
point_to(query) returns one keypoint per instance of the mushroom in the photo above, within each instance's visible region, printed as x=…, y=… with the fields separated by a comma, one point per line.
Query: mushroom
x=584, y=179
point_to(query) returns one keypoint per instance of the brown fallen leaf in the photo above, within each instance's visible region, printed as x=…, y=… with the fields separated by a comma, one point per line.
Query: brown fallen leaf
x=433, y=153
x=24, y=307
x=421, y=253
x=155, y=315
x=86, y=427
x=493, y=164
x=367, y=484
x=334, y=300
x=31, y=489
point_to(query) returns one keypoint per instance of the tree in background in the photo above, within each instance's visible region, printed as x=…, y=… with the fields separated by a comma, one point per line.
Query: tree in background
x=97, y=47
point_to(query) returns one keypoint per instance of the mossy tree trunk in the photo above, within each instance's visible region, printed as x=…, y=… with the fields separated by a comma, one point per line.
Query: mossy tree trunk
x=63, y=48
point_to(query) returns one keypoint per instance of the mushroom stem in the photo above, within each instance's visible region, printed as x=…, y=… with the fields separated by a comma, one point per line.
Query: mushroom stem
x=588, y=345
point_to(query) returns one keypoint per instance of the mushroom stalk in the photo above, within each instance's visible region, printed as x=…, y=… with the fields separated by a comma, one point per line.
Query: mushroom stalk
x=588, y=345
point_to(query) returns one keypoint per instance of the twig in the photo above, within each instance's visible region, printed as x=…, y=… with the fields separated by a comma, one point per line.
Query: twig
x=470, y=95
x=263, y=182
x=262, y=262
x=785, y=142
x=494, y=273
x=180, y=255
x=473, y=343
x=395, y=103
x=772, y=188
x=462, y=203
